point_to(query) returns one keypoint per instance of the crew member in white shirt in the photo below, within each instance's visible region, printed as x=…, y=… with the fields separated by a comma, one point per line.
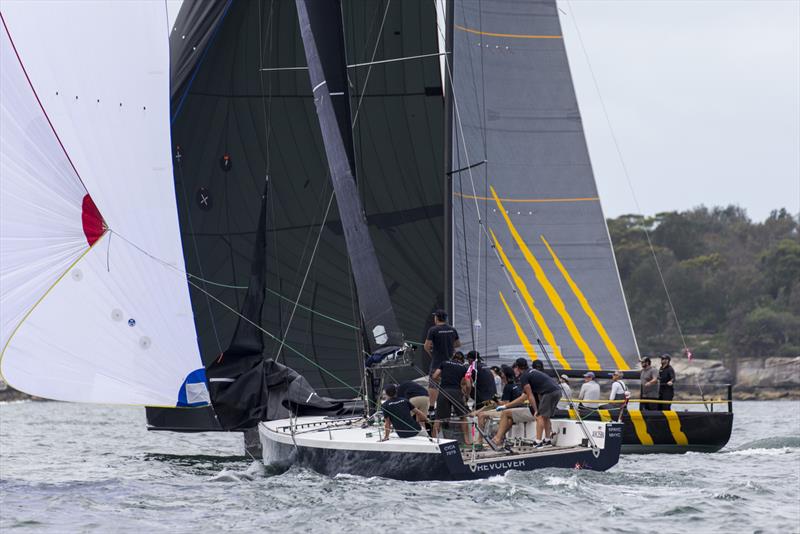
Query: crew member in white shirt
x=590, y=390
x=618, y=387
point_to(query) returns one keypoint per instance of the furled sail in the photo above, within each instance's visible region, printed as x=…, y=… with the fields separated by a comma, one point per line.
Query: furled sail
x=323, y=38
x=534, y=201
x=95, y=306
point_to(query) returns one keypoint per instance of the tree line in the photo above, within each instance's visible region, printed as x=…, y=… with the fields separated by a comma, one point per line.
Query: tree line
x=734, y=283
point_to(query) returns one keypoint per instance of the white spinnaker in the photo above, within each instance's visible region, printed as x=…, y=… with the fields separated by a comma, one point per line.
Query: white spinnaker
x=111, y=323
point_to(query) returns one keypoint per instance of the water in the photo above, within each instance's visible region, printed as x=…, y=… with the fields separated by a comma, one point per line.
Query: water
x=80, y=468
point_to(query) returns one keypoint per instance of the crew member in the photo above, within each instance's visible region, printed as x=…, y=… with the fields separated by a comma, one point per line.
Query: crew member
x=666, y=382
x=441, y=341
x=482, y=379
x=511, y=391
x=618, y=387
x=416, y=395
x=566, y=392
x=532, y=381
x=451, y=375
x=590, y=389
x=397, y=413
x=649, y=385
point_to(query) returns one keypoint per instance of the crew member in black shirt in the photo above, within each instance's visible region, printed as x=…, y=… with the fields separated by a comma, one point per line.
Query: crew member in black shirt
x=441, y=341
x=416, y=394
x=453, y=381
x=532, y=381
x=666, y=381
x=397, y=413
x=483, y=390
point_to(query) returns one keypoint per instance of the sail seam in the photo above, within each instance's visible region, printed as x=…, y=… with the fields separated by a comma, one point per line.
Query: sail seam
x=49, y=289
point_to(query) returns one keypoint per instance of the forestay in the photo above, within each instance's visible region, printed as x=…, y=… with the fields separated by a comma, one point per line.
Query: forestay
x=95, y=308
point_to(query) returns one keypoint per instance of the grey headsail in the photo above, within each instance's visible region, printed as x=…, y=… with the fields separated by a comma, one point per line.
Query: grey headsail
x=323, y=39
x=534, y=201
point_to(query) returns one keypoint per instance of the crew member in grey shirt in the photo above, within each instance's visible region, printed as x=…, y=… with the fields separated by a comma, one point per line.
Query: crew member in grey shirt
x=649, y=385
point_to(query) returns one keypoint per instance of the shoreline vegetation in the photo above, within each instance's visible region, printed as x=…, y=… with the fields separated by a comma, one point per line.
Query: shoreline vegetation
x=735, y=286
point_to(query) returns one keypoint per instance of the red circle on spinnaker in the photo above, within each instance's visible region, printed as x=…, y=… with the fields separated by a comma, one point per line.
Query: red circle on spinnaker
x=93, y=226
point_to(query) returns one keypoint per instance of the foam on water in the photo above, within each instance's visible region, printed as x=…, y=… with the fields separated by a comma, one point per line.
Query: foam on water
x=74, y=468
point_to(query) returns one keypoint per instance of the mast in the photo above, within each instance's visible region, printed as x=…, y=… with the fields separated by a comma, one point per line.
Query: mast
x=448, y=162
x=323, y=38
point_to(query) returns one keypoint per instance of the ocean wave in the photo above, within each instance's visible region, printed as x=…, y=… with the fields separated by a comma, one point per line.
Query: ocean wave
x=763, y=451
x=772, y=442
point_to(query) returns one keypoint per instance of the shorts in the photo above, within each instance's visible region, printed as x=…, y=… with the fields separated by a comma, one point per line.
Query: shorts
x=449, y=401
x=435, y=363
x=421, y=403
x=548, y=402
x=521, y=415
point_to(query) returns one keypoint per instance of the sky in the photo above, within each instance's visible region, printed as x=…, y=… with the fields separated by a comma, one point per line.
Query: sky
x=703, y=97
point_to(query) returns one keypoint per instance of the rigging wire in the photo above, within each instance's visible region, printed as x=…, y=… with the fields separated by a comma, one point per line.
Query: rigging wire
x=629, y=183
x=372, y=61
x=305, y=276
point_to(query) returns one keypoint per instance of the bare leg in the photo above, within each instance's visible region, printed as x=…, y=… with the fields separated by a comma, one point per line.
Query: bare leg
x=435, y=429
x=465, y=430
x=502, y=428
x=548, y=427
x=539, y=427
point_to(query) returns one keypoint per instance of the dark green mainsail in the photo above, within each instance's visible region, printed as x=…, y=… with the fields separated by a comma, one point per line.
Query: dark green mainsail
x=243, y=110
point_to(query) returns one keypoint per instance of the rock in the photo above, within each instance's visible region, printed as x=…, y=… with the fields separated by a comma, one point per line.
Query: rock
x=768, y=373
x=704, y=371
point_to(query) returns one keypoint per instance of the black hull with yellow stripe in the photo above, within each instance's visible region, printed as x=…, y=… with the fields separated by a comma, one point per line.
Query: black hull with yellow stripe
x=648, y=431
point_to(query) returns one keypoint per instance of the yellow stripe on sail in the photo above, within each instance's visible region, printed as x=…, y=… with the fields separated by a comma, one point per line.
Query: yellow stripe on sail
x=520, y=333
x=507, y=35
x=619, y=361
x=674, y=423
x=552, y=294
x=640, y=427
x=605, y=415
x=526, y=295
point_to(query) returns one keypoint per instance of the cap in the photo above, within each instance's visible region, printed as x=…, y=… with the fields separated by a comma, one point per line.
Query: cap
x=440, y=314
x=565, y=378
x=617, y=373
x=474, y=354
x=666, y=357
x=520, y=363
x=591, y=374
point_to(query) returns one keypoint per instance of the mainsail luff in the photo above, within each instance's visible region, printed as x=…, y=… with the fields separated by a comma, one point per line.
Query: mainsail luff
x=323, y=38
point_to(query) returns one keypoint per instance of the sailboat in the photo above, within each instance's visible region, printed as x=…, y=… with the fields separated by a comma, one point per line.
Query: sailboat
x=433, y=85
x=229, y=223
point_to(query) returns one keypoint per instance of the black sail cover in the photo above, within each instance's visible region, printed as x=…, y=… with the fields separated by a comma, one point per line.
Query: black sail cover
x=245, y=387
x=535, y=197
x=323, y=39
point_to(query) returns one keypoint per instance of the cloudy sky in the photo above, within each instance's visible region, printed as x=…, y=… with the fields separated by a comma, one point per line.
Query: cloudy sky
x=702, y=95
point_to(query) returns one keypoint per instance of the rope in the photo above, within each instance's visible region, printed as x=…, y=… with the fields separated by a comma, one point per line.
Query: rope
x=305, y=276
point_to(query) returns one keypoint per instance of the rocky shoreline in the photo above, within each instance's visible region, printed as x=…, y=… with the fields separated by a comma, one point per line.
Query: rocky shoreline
x=752, y=379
